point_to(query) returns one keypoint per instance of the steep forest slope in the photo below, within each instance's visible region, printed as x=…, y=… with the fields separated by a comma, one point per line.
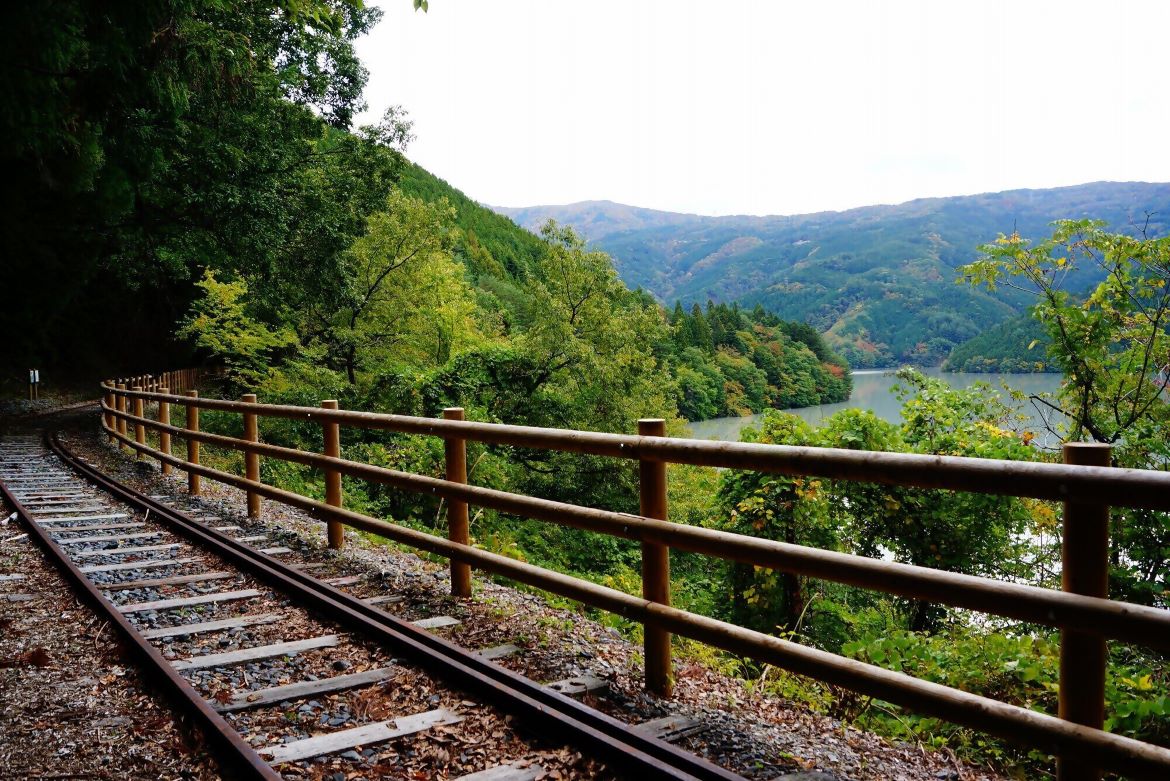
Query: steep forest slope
x=879, y=281
x=1016, y=345
x=487, y=242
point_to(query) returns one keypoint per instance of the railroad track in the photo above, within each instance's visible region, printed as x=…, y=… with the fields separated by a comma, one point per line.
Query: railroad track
x=249, y=645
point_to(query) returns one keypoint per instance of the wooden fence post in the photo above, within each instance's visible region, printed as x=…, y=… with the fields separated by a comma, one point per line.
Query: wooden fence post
x=331, y=431
x=111, y=421
x=655, y=562
x=139, y=429
x=164, y=437
x=252, y=460
x=193, y=486
x=458, y=526
x=120, y=405
x=1084, y=570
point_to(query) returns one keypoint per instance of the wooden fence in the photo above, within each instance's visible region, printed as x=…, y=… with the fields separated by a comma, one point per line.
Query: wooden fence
x=1084, y=483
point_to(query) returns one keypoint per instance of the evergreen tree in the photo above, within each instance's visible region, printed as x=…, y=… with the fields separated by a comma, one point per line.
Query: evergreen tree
x=702, y=330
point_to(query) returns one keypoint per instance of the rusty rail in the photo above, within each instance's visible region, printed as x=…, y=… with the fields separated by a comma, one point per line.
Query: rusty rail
x=1083, y=615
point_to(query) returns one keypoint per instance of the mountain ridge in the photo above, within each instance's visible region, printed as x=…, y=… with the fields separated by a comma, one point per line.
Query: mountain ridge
x=511, y=211
x=878, y=281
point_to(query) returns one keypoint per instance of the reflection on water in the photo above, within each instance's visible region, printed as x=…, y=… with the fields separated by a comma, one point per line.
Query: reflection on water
x=871, y=390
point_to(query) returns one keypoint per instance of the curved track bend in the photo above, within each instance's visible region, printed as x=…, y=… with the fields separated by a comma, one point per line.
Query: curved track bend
x=124, y=551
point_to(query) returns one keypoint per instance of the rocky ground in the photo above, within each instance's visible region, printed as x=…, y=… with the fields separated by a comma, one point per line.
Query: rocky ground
x=755, y=735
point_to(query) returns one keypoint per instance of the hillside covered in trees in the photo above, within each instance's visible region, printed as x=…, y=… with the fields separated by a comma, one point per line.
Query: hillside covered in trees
x=733, y=362
x=1016, y=345
x=878, y=281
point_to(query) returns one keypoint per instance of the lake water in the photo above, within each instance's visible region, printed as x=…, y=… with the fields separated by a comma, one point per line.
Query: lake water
x=871, y=390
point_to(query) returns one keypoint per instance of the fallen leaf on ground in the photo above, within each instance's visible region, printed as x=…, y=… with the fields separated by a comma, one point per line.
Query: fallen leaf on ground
x=37, y=657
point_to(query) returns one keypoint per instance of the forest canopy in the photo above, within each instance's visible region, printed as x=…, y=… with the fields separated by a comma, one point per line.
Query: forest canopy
x=144, y=144
x=1019, y=344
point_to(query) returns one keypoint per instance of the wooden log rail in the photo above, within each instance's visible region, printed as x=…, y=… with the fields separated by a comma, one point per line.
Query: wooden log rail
x=1085, y=484
x=176, y=381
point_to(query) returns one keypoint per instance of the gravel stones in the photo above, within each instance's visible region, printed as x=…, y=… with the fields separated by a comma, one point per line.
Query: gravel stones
x=86, y=713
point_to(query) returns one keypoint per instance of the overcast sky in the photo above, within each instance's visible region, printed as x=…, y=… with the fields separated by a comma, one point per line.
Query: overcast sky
x=726, y=107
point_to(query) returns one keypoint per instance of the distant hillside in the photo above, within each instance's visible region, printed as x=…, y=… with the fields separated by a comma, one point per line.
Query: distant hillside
x=594, y=219
x=879, y=281
x=1016, y=345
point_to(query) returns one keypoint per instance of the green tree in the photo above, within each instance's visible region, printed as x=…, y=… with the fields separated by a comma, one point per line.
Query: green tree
x=146, y=142
x=1112, y=344
x=402, y=296
x=960, y=532
x=794, y=510
x=220, y=324
x=591, y=338
x=701, y=333
x=701, y=391
x=1114, y=351
x=592, y=334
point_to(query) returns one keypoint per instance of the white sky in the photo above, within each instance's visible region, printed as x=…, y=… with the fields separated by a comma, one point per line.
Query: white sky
x=728, y=107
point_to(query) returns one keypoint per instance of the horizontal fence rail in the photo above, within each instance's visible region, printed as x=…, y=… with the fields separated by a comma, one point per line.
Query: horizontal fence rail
x=1117, y=620
x=1139, y=488
x=1086, y=620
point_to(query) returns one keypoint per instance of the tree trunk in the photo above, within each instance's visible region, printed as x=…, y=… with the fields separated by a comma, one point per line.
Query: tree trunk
x=793, y=588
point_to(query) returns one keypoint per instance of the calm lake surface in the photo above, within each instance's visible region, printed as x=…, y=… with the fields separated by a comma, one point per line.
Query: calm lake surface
x=871, y=390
